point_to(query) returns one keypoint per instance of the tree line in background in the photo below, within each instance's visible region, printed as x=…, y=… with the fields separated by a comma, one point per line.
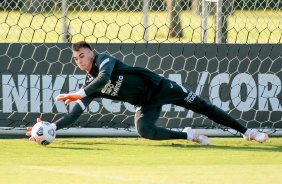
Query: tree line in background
x=172, y=7
x=126, y=5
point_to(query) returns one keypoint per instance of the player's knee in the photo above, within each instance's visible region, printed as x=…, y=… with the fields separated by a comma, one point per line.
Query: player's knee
x=146, y=132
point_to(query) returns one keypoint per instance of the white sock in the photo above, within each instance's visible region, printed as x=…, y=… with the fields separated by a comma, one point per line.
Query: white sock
x=190, y=136
x=248, y=132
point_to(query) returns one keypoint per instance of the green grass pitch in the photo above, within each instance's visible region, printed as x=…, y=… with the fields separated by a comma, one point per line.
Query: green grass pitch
x=132, y=160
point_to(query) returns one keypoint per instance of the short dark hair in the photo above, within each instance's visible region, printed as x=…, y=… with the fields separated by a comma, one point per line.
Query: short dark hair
x=78, y=45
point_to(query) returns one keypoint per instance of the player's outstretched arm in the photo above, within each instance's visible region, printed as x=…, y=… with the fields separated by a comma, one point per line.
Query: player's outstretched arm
x=105, y=66
x=74, y=114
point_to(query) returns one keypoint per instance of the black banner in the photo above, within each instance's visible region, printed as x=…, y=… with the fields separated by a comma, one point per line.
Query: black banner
x=244, y=80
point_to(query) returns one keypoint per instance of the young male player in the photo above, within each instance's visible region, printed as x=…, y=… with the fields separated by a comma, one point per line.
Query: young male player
x=107, y=77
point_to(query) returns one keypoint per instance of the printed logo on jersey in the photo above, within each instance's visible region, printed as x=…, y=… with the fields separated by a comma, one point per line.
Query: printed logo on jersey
x=104, y=90
x=89, y=79
x=191, y=97
x=112, y=89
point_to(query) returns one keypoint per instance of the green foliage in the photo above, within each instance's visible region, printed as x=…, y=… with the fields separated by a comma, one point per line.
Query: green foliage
x=107, y=27
x=133, y=5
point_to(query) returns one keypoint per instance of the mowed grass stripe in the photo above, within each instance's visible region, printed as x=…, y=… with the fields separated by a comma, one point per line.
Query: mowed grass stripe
x=131, y=160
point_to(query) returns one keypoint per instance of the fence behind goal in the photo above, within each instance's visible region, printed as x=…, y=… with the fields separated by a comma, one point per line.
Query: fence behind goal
x=228, y=52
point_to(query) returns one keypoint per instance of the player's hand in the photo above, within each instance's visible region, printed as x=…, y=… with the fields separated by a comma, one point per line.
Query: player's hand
x=30, y=129
x=68, y=98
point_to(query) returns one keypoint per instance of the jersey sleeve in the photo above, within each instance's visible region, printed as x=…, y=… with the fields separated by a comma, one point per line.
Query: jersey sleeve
x=105, y=65
x=75, y=113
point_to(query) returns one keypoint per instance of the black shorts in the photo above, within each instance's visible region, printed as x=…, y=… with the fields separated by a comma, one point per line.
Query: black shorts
x=169, y=92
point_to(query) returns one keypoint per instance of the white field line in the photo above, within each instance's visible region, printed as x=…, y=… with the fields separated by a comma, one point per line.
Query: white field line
x=54, y=170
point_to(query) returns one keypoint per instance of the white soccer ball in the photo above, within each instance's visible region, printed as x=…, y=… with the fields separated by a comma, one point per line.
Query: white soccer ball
x=43, y=133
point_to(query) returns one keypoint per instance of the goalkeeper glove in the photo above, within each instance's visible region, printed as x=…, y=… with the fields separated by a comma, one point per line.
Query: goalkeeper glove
x=68, y=98
x=30, y=129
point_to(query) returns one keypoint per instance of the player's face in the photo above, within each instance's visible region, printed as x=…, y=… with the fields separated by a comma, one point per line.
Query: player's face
x=83, y=58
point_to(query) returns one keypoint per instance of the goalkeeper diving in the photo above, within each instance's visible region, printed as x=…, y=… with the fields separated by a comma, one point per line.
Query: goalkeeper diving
x=108, y=77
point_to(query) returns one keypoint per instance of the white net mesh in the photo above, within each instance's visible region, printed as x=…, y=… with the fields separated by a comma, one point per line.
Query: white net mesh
x=173, y=38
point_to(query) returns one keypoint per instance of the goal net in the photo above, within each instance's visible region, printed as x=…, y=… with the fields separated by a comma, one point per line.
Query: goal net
x=227, y=52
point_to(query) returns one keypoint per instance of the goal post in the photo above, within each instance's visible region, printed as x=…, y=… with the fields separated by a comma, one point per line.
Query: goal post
x=243, y=76
x=249, y=91
x=222, y=10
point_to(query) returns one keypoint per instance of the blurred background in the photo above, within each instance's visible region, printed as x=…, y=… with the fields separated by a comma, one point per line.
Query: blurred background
x=124, y=21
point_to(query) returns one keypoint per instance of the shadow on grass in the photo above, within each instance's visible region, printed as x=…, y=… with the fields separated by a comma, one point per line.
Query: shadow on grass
x=245, y=147
x=248, y=146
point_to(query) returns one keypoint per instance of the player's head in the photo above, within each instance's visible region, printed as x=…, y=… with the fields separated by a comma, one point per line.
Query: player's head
x=83, y=55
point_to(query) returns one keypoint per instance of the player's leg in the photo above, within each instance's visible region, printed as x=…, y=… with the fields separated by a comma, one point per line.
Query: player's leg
x=146, y=128
x=219, y=116
x=171, y=93
x=200, y=106
x=214, y=113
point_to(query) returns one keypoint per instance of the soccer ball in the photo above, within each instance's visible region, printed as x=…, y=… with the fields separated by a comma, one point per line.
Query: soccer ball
x=43, y=133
